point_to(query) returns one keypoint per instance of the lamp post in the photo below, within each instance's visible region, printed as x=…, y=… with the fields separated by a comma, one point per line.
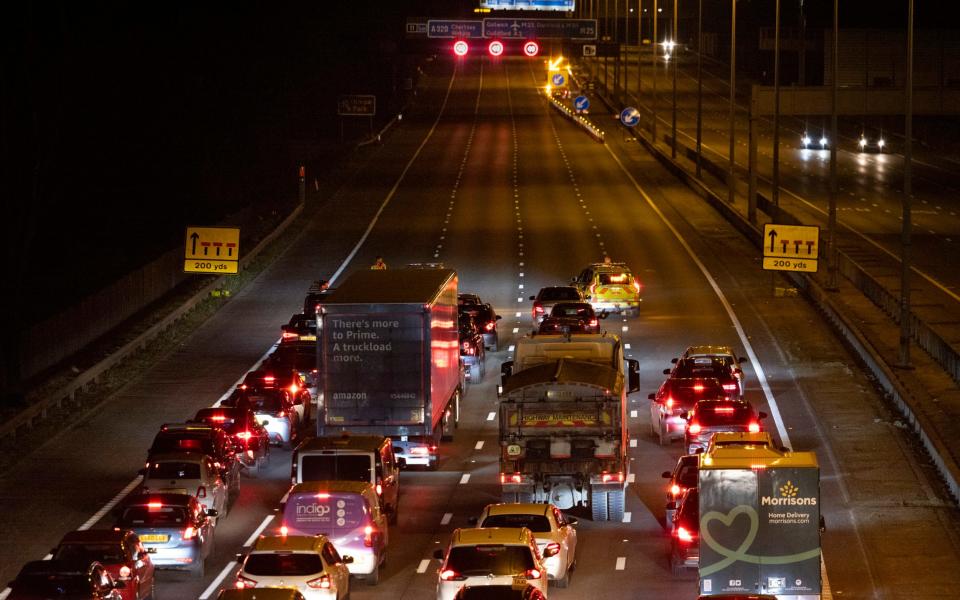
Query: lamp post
x=731, y=182
x=653, y=99
x=905, y=233
x=639, y=45
x=699, y=81
x=832, y=211
x=675, y=55
x=776, y=107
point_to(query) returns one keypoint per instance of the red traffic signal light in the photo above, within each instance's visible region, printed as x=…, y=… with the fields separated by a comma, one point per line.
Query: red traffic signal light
x=531, y=48
x=460, y=48
x=495, y=48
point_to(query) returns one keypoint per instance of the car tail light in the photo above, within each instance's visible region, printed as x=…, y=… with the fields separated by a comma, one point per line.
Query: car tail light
x=683, y=535
x=201, y=492
x=284, y=530
x=218, y=418
x=154, y=505
x=320, y=583
x=368, y=533
x=727, y=410
x=451, y=575
x=379, y=488
x=511, y=478
x=593, y=322
x=553, y=547
x=189, y=533
x=245, y=582
x=729, y=387
x=243, y=435
x=612, y=477
x=537, y=308
x=294, y=388
x=419, y=451
x=125, y=572
x=269, y=378
x=698, y=387
x=636, y=284
x=753, y=427
x=490, y=325
x=243, y=386
x=675, y=490
x=694, y=428
x=289, y=335
x=534, y=574
x=669, y=402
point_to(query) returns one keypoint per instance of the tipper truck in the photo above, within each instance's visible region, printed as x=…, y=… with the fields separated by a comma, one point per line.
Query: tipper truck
x=563, y=425
x=390, y=361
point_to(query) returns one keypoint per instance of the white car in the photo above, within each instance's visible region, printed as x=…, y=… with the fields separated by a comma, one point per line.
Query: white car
x=551, y=528
x=189, y=473
x=310, y=564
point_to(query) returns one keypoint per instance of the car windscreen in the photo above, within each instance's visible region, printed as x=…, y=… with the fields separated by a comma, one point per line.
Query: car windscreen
x=148, y=516
x=689, y=392
x=174, y=470
x=559, y=293
x=331, y=513
x=88, y=552
x=490, y=559
x=535, y=523
x=689, y=476
x=689, y=513
x=52, y=585
x=572, y=310
x=336, y=467
x=182, y=443
x=283, y=563
x=725, y=414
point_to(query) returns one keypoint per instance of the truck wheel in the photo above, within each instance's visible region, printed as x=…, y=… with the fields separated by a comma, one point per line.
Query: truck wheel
x=598, y=506
x=446, y=427
x=615, y=502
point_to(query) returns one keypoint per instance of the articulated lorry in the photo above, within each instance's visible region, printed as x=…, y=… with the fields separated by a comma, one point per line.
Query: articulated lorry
x=389, y=359
x=563, y=425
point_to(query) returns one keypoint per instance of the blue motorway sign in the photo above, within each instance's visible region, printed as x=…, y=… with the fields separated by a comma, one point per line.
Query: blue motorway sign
x=454, y=29
x=571, y=29
x=558, y=79
x=630, y=116
x=581, y=103
x=558, y=5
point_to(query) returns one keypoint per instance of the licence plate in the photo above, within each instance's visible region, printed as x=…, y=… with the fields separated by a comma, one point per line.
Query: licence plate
x=154, y=537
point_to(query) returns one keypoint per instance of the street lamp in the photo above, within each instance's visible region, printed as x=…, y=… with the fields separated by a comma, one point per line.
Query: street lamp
x=653, y=99
x=731, y=182
x=676, y=65
x=776, y=106
x=699, y=81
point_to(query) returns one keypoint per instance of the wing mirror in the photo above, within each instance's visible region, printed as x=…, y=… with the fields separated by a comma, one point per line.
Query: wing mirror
x=666, y=371
x=347, y=560
x=572, y=520
x=743, y=359
x=499, y=317
x=651, y=396
x=533, y=297
x=674, y=361
x=506, y=370
x=211, y=512
x=762, y=415
x=143, y=555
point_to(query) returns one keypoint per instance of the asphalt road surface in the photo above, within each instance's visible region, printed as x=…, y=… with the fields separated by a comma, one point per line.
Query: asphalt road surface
x=483, y=177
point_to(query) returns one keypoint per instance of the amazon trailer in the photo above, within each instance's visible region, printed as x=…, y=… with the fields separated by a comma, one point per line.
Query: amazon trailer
x=390, y=359
x=759, y=522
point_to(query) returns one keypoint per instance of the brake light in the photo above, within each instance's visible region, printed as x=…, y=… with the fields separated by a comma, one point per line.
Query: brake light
x=553, y=547
x=320, y=583
x=379, y=489
x=245, y=582
x=669, y=401
x=289, y=335
x=730, y=387
x=724, y=409
x=125, y=572
x=243, y=435
x=753, y=427
x=451, y=575
x=243, y=386
x=594, y=322
x=189, y=533
x=490, y=325
x=368, y=533
x=675, y=490
x=537, y=308
x=511, y=478
x=269, y=378
x=218, y=418
x=201, y=492
x=612, y=477
x=683, y=535
x=284, y=530
x=323, y=496
x=534, y=574
x=294, y=388
x=694, y=428
x=154, y=505
x=698, y=387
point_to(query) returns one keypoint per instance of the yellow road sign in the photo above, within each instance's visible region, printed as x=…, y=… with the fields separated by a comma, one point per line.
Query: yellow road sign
x=791, y=247
x=212, y=250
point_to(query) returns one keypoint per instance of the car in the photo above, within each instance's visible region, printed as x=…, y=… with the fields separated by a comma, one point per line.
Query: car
x=119, y=551
x=300, y=328
x=274, y=409
x=187, y=473
x=472, y=349
x=723, y=359
x=551, y=529
x=544, y=300
x=73, y=580
x=490, y=556
x=250, y=437
x=483, y=315
x=203, y=439
x=811, y=143
x=738, y=597
x=173, y=528
x=500, y=592
x=673, y=400
x=287, y=378
x=572, y=317
x=301, y=356
x=711, y=416
x=872, y=143
x=349, y=513
x=684, y=537
x=309, y=564
x=727, y=439
x=683, y=477
x=610, y=286
x=260, y=594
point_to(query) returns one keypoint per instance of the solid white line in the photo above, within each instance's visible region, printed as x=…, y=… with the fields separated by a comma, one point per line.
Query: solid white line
x=621, y=563
x=631, y=477
x=422, y=567
x=519, y=315
x=109, y=505
x=396, y=186
x=464, y=478
x=446, y=518
x=491, y=416
x=627, y=517
x=758, y=369
x=5, y=593
x=215, y=584
x=479, y=445
x=259, y=530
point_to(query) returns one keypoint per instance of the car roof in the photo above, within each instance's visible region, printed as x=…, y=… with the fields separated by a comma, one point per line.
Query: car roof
x=96, y=535
x=491, y=535
x=197, y=457
x=162, y=497
x=527, y=508
x=611, y=266
x=289, y=543
x=369, y=443
x=469, y=296
x=259, y=594
x=708, y=350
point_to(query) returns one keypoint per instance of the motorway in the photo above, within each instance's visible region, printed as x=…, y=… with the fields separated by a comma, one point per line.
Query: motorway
x=485, y=178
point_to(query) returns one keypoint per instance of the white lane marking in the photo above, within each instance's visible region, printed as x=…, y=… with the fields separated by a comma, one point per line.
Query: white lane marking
x=519, y=315
x=758, y=369
x=464, y=478
x=422, y=567
x=215, y=584
x=479, y=445
x=626, y=346
x=396, y=186
x=516, y=329
x=634, y=414
x=5, y=593
x=631, y=477
x=446, y=518
x=625, y=328
x=109, y=505
x=627, y=517
x=520, y=286
x=633, y=443
x=510, y=349
x=621, y=563
x=253, y=537
x=491, y=416
x=48, y=557
x=519, y=299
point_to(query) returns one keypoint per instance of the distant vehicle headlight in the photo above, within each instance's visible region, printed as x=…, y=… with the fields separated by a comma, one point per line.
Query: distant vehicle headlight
x=823, y=142
x=806, y=141
x=863, y=142
x=880, y=143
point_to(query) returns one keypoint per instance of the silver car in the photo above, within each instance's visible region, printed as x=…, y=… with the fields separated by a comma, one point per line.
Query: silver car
x=188, y=473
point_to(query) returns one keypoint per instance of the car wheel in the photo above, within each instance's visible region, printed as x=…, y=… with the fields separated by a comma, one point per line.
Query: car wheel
x=664, y=435
x=153, y=591
x=374, y=578
x=483, y=367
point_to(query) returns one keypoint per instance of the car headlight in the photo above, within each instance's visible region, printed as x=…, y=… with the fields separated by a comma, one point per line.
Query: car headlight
x=823, y=142
x=805, y=140
x=863, y=142
x=880, y=143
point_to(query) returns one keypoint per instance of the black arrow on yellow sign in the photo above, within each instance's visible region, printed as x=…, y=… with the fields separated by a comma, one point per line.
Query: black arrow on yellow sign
x=193, y=238
x=772, y=235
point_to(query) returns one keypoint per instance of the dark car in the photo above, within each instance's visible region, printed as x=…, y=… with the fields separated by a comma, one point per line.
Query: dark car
x=499, y=592
x=572, y=317
x=300, y=328
x=472, y=349
x=714, y=361
x=65, y=580
x=273, y=408
x=675, y=398
x=119, y=551
x=281, y=377
x=483, y=315
x=683, y=477
x=301, y=356
x=250, y=438
x=711, y=416
x=684, y=538
x=548, y=296
x=203, y=439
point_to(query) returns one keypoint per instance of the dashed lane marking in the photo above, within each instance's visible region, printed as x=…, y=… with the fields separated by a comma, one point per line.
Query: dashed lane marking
x=491, y=416
x=633, y=414
x=422, y=567
x=215, y=584
x=633, y=443
x=627, y=517
x=631, y=477
x=446, y=518
x=464, y=478
x=621, y=563
x=479, y=445
x=253, y=537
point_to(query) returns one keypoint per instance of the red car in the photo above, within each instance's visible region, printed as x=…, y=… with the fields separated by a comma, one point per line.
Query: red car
x=685, y=536
x=249, y=436
x=119, y=551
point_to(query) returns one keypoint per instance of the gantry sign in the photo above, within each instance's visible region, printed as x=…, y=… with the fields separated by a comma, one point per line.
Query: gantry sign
x=499, y=28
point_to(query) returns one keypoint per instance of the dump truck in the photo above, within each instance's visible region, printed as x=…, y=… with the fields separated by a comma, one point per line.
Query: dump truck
x=389, y=360
x=563, y=425
x=760, y=522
